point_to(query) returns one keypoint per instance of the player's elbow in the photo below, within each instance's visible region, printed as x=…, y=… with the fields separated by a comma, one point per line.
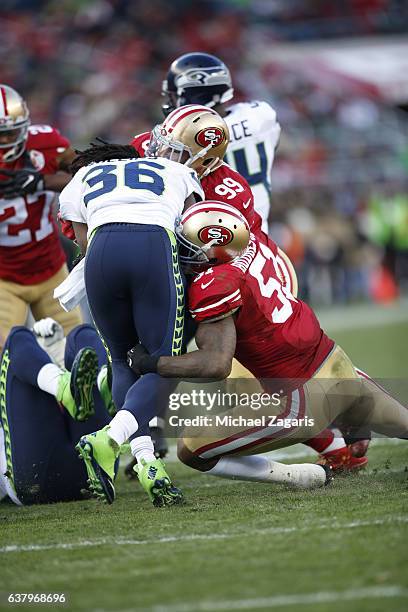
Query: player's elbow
x=220, y=367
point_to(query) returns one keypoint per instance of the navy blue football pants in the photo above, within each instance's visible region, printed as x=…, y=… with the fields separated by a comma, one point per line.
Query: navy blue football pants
x=135, y=291
x=40, y=436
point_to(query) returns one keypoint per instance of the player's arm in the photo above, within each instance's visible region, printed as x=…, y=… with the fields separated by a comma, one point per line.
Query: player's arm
x=57, y=181
x=73, y=221
x=81, y=232
x=216, y=347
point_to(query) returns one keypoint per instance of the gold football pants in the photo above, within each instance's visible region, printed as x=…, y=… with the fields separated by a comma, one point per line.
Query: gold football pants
x=337, y=390
x=15, y=300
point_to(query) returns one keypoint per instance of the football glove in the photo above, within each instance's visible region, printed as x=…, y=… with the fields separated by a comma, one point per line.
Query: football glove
x=46, y=328
x=20, y=182
x=140, y=361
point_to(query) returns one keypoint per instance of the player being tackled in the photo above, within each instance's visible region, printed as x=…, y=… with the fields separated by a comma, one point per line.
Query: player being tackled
x=136, y=216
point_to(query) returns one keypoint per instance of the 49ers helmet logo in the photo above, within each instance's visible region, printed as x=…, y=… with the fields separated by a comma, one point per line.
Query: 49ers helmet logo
x=210, y=135
x=222, y=235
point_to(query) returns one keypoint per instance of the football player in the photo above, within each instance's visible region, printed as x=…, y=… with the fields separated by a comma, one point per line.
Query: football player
x=47, y=391
x=219, y=181
x=180, y=132
x=240, y=305
x=134, y=287
x=200, y=78
x=34, y=161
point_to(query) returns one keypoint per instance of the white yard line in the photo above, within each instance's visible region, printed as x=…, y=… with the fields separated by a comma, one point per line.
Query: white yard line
x=304, y=599
x=226, y=535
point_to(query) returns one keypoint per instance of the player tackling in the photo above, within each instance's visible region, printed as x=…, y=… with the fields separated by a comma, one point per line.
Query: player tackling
x=244, y=310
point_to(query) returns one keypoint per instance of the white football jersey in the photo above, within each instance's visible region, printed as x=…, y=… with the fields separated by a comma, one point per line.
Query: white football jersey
x=254, y=133
x=146, y=191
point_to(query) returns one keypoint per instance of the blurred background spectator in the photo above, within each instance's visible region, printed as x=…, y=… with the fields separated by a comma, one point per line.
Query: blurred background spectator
x=340, y=203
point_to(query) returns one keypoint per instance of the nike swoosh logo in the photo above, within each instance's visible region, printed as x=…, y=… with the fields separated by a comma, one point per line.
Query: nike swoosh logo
x=204, y=286
x=247, y=203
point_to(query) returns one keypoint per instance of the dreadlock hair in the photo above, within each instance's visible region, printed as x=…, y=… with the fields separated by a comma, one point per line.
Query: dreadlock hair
x=102, y=151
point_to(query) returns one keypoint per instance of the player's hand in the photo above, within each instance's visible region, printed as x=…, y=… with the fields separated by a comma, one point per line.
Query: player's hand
x=20, y=182
x=135, y=357
x=45, y=328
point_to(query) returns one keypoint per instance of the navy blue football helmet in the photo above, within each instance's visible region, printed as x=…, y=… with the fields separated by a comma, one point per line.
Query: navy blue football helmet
x=196, y=78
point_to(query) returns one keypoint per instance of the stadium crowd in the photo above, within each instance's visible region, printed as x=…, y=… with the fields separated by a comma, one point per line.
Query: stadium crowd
x=94, y=68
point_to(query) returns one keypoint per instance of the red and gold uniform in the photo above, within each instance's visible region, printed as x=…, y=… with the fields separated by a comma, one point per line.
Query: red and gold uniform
x=32, y=261
x=279, y=340
x=278, y=336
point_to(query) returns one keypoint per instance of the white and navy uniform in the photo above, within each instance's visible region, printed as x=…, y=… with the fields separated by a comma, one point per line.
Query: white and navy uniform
x=254, y=136
x=134, y=286
x=143, y=191
x=38, y=461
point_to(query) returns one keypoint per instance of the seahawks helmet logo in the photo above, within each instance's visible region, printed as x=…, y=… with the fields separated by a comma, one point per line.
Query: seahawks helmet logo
x=202, y=77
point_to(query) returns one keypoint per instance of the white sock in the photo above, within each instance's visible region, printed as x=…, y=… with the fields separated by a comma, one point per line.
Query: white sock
x=261, y=469
x=142, y=448
x=122, y=426
x=157, y=422
x=48, y=378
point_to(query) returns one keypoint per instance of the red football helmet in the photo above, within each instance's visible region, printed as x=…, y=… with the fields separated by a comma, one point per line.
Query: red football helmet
x=211, y=233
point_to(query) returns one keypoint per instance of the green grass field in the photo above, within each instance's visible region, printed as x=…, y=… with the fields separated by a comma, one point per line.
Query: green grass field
x=234, y=546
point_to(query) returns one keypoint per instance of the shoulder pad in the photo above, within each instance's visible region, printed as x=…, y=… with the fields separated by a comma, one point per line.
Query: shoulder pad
x=215, y=293
x=46, y=137
x=140, y=143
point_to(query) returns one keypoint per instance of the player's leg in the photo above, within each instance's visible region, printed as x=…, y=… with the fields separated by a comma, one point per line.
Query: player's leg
x=233, y=452
x=378, y=410
x=13, y=308
x=139, y=296
x=333, y=390
x=41, y=463
x=157, y=425
x=45, y=305
x=86, y=335
x=73, y=390
x=355, y=400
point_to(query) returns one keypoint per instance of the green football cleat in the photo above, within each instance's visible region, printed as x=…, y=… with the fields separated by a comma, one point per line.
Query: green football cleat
x=104, y=383
x=100, y=454
x=75, y=388
x=157, y=483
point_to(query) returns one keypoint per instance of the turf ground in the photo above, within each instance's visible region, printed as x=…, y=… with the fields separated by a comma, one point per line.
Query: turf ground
x=235, y=546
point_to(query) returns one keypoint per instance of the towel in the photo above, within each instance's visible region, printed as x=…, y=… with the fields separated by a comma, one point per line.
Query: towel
x=72, y=290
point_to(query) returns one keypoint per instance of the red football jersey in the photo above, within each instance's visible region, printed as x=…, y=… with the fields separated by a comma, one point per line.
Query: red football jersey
x=140, y=143
x=30, y=249
x=278, y=336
